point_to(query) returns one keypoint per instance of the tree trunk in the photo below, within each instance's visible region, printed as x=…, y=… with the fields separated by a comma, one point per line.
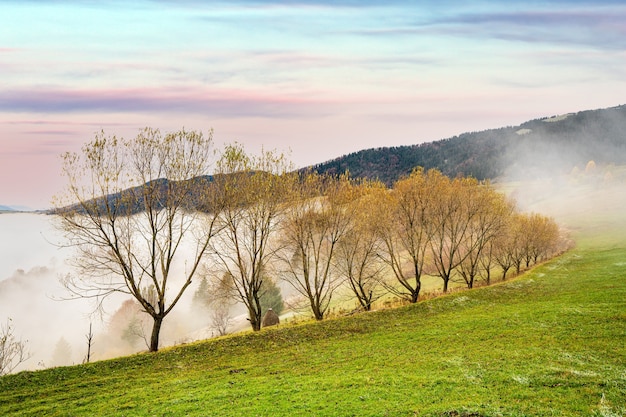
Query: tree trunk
x=255, y=320
x=368, y=305
x=156, y=330
x=254, y=315
x=319, y=315
x=445, y=284
x=416, y=293
x=504, y=271
x=364, y=299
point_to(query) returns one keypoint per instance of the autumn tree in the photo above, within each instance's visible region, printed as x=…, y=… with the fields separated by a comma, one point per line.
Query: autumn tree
x=507, y=248
x=454, y=211
x=542, y=237
x=357, y=258
x=405, y=229
x=254, y=192
x=130, y=324
x=130, y=212
x=532, y=233
x=520, y=245
x=311, y=231
x=525, y=239
x=487, y=261
x=487, y=213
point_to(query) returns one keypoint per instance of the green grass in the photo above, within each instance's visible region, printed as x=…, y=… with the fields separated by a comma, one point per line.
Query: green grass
x=551, y=342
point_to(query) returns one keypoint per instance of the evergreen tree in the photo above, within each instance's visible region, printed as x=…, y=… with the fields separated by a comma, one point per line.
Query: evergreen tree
x=62, y=354
x=271, y=297
x=201, y=298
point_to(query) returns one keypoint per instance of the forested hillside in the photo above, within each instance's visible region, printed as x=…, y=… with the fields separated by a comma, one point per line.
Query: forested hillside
x=551, y=144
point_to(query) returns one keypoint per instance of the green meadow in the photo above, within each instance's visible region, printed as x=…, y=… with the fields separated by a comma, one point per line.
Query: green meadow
x=551, y=342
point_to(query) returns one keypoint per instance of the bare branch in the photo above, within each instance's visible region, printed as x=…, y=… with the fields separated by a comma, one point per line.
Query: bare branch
x=13, y=352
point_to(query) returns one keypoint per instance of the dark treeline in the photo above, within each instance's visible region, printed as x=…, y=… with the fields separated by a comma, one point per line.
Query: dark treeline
x=557, y=144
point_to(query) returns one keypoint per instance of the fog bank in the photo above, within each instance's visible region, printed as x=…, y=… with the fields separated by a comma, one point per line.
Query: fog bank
x=56, y=327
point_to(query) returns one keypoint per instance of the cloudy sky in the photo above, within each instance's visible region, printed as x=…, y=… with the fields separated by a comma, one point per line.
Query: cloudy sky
x=316, y=78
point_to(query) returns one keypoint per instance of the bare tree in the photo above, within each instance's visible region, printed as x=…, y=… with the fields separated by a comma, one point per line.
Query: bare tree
x=89, y=337
x=312, y=229
x=221, y=318
x=253, y=192
x=130, y=211
x=12, y=351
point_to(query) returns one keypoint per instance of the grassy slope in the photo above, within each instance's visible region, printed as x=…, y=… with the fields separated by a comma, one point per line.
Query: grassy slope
x=552, y=342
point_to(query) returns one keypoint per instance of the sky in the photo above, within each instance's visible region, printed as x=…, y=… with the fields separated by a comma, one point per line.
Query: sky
x=315, y=79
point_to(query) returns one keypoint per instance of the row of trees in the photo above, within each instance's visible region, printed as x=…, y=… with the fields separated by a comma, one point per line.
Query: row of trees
x=146, y=220
x=376, y=240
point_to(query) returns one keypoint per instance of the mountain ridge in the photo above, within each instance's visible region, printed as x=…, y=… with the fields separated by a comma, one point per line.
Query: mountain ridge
x=550, y=144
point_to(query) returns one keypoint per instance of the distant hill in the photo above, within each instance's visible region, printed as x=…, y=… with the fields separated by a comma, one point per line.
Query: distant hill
x=15, y=208
x=131, y=200
x=547, y=145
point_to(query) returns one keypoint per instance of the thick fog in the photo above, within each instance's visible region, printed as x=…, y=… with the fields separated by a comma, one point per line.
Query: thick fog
x=55, y=327
x=29, y=286
x=582, y=186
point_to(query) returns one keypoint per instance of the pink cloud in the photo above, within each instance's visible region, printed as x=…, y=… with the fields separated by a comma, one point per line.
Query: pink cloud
x=49, y=132
x=61, y=123
x=223, y=103
x=41, y=146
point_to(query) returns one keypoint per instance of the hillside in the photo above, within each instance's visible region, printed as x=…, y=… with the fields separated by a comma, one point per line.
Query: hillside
x=548, y=145
x=551, y=342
